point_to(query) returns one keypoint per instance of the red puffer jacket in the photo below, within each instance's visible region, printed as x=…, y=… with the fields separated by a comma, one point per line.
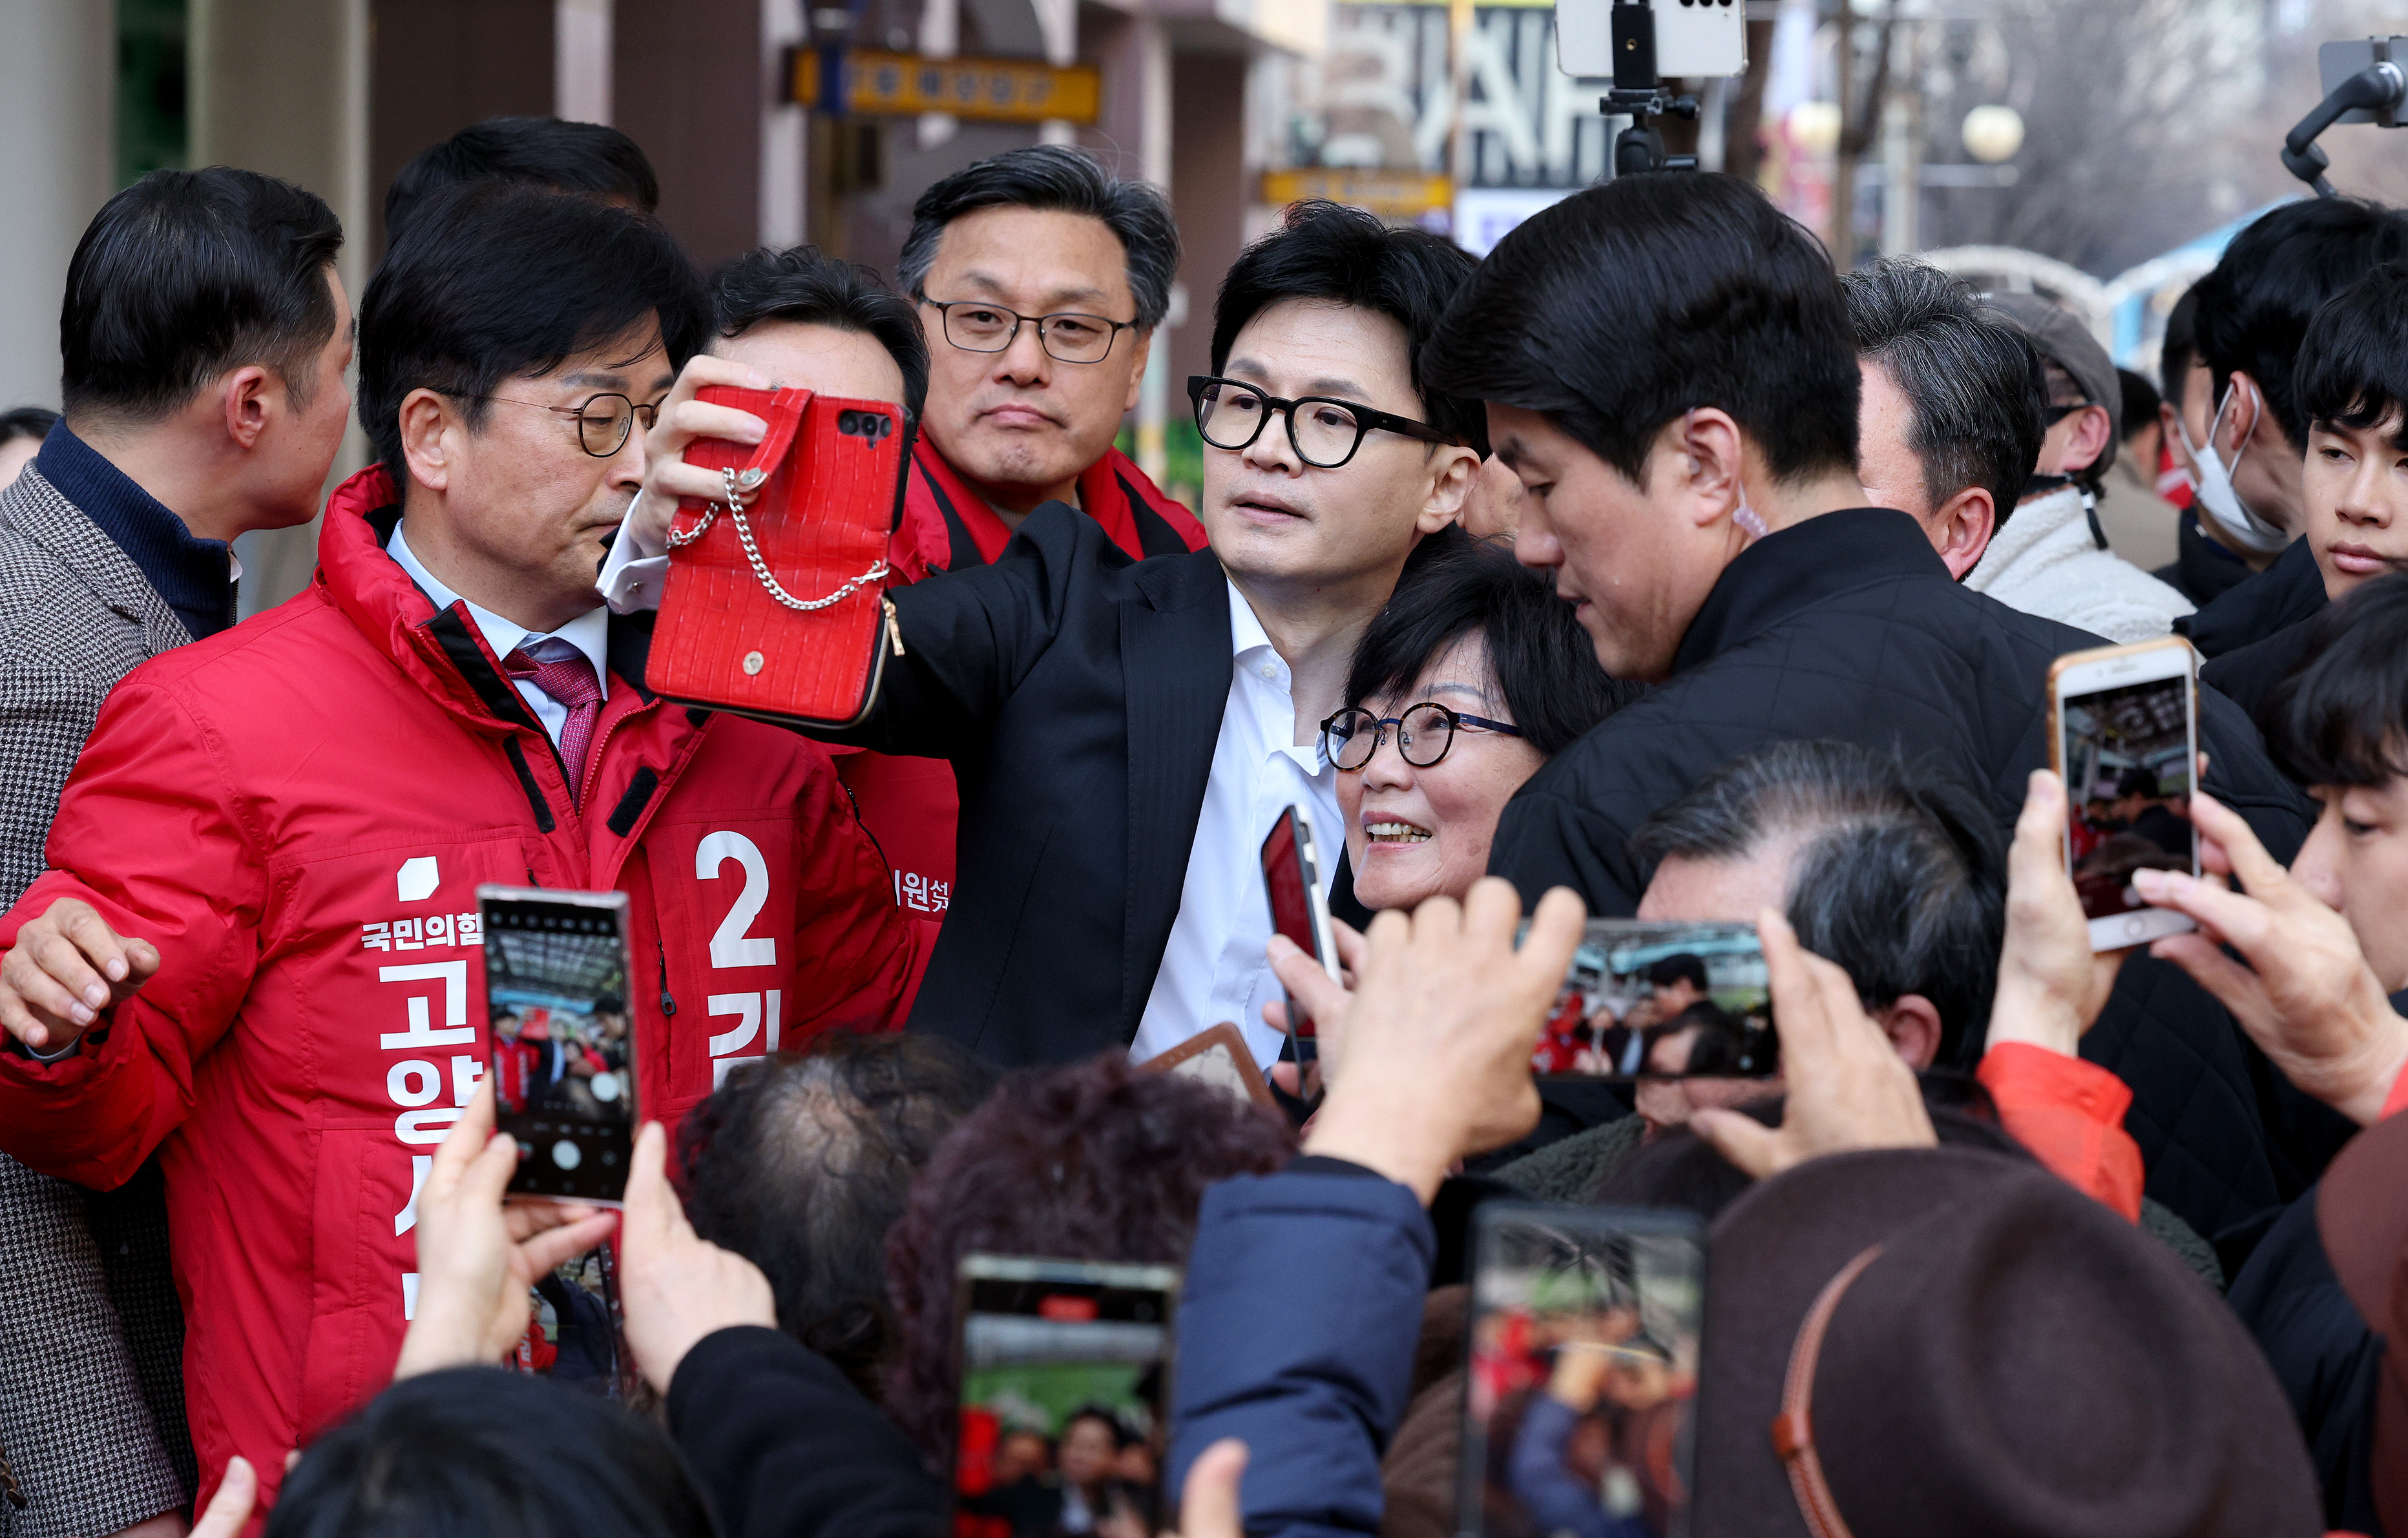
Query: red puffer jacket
x=298, y=812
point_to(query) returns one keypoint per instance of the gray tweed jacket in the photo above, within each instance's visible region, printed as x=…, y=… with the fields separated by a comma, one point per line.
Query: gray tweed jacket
x=92, y=1413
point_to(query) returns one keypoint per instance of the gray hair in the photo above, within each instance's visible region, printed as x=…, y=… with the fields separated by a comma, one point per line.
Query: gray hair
x=1053, y=178
x=1898, y=877
x=1972, y=375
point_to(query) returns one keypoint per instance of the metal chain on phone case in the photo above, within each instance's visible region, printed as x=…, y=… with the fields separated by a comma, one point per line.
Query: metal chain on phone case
x=748, y=482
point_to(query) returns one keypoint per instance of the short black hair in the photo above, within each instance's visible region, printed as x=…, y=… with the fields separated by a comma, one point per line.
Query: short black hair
x=2342, y=717
x=1053, y=178
x=1545, y=664
x=492, y=281
x=2141, y=399
x=584, y=158
x=2179, y=348
x=802, y=1163
x=804, y=286
x=1345, y=256
x=1625, y=305
x=1685, y=967
x=472, y=1452
x=2255, y=306
x=1974, y=379
x=187, y=274
x=1902, y=883
x=2354, y=360
x=27, y=421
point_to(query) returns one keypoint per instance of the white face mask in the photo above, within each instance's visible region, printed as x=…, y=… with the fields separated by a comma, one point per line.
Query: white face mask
x=2213, y=480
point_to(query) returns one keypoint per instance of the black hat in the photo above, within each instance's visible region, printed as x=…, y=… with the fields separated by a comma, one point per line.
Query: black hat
x=1947, y=1340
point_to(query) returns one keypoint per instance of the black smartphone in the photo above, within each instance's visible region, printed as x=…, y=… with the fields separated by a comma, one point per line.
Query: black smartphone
x=562, y=1053
x=1299, y=910
x=1646, y=1000
x=1066, y=1392
x=1586, y=1324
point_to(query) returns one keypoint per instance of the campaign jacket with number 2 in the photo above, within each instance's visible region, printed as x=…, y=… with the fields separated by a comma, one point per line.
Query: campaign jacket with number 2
x=298, y=813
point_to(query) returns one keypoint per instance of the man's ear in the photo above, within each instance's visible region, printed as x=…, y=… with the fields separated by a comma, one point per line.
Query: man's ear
x=248, y=397
x=1452, y=472
x=2092, y=428
x=2243, y=416
x=1962, y=528
x=1912, y=1025
x=427, y=439
x=1708, y=452
x=1137, y=373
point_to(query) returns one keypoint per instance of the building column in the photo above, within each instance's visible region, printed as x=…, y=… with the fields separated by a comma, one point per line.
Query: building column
x=58, y=100
x=282, y=87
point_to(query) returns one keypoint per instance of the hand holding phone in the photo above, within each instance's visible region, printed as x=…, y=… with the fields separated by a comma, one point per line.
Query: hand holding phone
x=1299, y=911
x=2124, y=735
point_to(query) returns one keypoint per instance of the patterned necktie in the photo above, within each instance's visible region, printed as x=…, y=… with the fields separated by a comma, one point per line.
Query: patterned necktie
x=565, y=673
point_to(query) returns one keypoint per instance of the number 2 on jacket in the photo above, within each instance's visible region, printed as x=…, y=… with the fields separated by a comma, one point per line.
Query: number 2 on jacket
x=732, y=946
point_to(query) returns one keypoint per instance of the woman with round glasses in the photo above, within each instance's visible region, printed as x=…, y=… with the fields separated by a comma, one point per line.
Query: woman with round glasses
x=1473, y=675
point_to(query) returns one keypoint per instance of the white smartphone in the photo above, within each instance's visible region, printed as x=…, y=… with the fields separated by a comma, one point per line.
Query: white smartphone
x=2124, y=735
x=1694, y=39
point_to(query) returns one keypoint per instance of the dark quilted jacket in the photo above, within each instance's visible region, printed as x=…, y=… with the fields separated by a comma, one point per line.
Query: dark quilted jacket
x=1848, y=626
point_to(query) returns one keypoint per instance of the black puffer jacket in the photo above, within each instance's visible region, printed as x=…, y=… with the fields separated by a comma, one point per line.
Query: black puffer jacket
x=1848, y=626
x=2285, y=593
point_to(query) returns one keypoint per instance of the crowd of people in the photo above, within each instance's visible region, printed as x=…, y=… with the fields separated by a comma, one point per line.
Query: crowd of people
x=1645, y=568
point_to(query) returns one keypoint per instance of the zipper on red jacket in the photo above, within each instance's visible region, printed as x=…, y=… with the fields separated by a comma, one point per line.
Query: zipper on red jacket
x=668, y=1005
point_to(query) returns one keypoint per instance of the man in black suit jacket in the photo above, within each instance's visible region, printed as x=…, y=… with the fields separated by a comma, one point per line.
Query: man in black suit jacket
x=1126, y=733
x=1668, y=367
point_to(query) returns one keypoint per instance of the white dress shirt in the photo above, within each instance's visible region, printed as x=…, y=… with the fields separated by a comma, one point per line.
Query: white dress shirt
x=589, y=633
x=1214, y=968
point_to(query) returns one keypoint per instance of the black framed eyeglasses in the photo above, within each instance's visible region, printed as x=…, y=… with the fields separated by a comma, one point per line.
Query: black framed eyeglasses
x=603, y=421
x=976, y=326
x=2052, y=415
x=1423, y=733
x=1325, y=432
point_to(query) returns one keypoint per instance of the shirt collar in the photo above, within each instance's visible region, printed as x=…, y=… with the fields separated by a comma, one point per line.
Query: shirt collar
x=1246, y=632
x=195, y=577
x=589, y=633
x=1793, y=569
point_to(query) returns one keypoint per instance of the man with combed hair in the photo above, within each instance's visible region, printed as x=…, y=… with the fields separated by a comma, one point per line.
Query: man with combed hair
x=258, y=948
x=1951, y=423
x=204, y=399
x=1040, y=279
x=2053, y=560
x=1127, y=732
x=584, y=158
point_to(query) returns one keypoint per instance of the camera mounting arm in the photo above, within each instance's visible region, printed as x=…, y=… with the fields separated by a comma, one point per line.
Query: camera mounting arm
x=2379, y=88
x=1640, y=94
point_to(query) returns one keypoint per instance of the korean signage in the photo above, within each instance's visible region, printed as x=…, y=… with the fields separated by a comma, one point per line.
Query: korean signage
x=983, y=89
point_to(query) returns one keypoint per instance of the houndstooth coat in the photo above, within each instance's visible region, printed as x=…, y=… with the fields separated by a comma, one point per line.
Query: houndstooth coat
x=92, y=1413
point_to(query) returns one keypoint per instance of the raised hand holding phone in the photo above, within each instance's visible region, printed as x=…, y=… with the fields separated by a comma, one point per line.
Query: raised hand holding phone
x=2124, y=731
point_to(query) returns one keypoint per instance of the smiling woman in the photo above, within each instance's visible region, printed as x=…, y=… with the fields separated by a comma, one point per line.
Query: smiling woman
x=1473, y=675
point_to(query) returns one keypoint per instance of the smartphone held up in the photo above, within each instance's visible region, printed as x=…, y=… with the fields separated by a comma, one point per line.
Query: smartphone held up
x=563, y=1048
x=2124, y=735
x=1646, y=1001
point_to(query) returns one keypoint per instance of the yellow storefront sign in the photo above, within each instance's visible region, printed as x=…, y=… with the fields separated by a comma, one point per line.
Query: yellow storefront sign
x=982, y=90
x=1391, y=194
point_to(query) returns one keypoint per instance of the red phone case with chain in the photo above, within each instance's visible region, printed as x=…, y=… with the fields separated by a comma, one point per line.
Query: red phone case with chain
x=775, y=603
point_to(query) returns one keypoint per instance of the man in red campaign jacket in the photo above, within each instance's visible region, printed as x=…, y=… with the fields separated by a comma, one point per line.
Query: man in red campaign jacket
x=1039, y=279
x=297, y=813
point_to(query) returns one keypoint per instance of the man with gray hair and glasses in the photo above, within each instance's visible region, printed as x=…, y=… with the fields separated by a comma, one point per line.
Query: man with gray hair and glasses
x=1039, y=279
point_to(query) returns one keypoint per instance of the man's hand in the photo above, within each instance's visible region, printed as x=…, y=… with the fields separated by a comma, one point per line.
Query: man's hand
x=2051, y=985
x=681, y=419
x=675, y=1286
x=479, y=1255
x=1209, y=1507
x=1848, y=1087
x=2307, y=997
x=1435, y=1039
x=66, y=969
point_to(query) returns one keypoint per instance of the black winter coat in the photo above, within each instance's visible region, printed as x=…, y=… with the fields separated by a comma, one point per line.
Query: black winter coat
x=1848, y=626
x=2283, y=593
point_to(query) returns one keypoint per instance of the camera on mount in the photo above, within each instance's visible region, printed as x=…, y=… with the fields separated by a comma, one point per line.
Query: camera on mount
x=2364, y=83
x=1642, y=45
